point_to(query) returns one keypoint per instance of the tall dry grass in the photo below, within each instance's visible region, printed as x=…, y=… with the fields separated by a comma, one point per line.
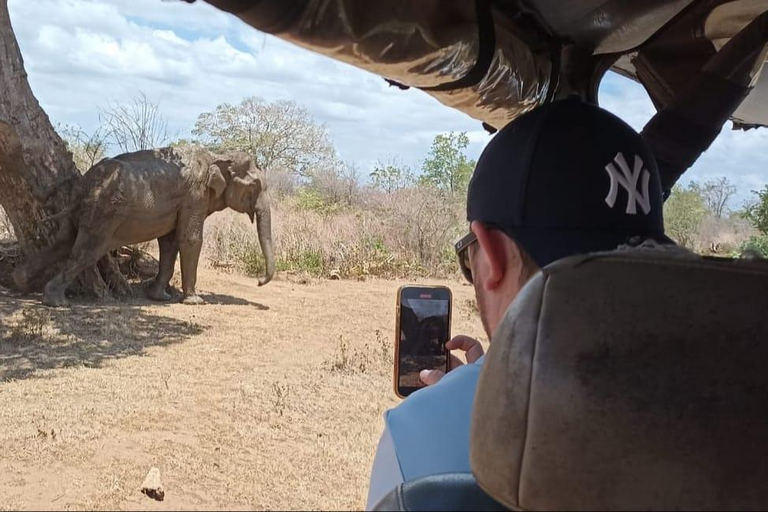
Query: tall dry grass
x=400, y=235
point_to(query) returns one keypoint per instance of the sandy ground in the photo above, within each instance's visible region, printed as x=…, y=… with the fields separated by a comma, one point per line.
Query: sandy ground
x=266, y=397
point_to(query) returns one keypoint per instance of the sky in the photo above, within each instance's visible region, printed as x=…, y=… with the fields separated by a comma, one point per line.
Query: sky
x=84, y=54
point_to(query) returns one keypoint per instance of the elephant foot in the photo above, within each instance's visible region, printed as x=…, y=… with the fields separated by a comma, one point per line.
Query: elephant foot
x=55, y=300
x=158, y=294
x=192, y=300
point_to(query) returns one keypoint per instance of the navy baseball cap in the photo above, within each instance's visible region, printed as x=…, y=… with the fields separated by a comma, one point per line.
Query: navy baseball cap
x=568, y=178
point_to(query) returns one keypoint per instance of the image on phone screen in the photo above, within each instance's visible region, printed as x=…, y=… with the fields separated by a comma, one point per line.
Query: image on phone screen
x=424, y=330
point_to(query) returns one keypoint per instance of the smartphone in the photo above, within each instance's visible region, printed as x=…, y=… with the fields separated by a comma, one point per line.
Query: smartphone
x=423, y=326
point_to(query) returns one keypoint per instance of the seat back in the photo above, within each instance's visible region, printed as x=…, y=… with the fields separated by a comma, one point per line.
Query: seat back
x=629, y=380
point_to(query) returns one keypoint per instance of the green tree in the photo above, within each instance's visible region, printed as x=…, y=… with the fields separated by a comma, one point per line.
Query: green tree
x=391, y=176
x=684, y=213
x=446, y=166
x=757, y=211
x=278, y=134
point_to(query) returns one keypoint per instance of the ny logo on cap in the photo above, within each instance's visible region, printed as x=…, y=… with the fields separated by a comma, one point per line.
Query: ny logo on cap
x=628, y=179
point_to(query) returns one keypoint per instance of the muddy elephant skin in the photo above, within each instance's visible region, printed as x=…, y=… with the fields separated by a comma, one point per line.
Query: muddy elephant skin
x=163, y=193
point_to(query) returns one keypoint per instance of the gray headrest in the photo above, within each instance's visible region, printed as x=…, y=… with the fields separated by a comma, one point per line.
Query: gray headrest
x=629, y=380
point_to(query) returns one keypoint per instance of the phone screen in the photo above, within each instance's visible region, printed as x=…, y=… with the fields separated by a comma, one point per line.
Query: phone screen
x=424, y=328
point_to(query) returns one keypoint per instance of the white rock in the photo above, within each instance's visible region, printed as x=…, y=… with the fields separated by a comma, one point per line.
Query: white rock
x=153, y=486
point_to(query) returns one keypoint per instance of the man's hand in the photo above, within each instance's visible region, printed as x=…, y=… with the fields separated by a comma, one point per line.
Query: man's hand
x=472, y=348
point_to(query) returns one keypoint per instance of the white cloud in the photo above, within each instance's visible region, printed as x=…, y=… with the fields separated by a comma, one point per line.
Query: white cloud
x=83, y=54
x=739, y=156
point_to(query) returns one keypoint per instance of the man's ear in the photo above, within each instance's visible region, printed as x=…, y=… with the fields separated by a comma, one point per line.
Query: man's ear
x=216, y=181
x=495, y=248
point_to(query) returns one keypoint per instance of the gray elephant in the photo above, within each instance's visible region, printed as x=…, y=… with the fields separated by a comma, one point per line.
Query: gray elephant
x=163, y=193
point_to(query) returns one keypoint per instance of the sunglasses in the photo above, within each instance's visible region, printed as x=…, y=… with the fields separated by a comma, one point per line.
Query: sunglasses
x=462, y=253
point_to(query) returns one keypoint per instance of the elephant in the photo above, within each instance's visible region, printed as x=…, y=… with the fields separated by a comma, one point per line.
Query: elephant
x=425, y=333
x=164, y=193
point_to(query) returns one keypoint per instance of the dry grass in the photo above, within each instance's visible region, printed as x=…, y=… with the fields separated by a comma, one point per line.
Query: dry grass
x=723, y=236
x=389, y=238
x=264, y=398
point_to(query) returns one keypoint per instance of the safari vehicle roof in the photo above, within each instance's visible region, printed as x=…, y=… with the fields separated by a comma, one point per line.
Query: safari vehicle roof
x=496, y=59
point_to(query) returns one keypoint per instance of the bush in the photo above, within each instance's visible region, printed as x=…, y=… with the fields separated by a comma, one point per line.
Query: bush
x=373, y=357
x=310, y=261
x=311, y=199
x=757, y=211
x=756, y=245
x=684, y=213
x=31, y=325
x=251, y=260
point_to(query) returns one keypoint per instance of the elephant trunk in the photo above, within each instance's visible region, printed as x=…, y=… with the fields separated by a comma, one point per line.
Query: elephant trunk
x=264, y=227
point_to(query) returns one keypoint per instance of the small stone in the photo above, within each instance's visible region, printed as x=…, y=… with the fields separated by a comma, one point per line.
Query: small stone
x=153, y=486
x=335, y=275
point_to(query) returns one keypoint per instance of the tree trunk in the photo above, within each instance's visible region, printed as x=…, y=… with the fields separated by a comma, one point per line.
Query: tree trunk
x=37, y=173
x=35, y=166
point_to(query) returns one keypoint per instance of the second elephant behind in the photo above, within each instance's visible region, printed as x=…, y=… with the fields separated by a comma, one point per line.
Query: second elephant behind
x=165, y=194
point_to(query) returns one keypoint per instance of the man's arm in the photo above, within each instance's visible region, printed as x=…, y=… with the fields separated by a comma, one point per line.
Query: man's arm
x=386, y=473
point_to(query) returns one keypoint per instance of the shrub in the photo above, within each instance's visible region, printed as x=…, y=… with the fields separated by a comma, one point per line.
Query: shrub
x=757, y=211
x=310, y=261
x=684, y=213
x=30, y=325
x=372, y=358
x=311, y=199
x=756, y=245
x=251, y=260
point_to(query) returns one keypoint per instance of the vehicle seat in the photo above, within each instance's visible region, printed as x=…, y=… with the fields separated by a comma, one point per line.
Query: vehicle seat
x=449, y=491
x=633, y=379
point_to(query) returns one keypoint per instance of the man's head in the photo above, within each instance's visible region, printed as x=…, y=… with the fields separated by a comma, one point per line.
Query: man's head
x=568, y=178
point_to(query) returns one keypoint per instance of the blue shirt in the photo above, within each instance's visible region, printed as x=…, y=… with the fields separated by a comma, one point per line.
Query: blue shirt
x=427, y=434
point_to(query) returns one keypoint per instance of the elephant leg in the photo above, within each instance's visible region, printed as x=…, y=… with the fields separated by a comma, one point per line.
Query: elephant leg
x=169, y=250
x=37, y=268
x=190, y=243
x=87, y=251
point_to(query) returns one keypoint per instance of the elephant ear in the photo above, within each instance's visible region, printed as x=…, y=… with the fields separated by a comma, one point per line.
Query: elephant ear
x=216, y=180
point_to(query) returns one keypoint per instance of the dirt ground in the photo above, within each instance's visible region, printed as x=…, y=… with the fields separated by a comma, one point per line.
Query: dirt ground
x=266, y=397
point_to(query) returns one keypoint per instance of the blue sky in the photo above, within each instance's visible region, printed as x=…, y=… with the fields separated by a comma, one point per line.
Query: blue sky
x=83, y=54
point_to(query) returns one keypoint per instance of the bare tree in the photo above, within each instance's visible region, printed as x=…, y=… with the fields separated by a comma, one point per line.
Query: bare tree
x=281, y=133
x=135, y=126
x=429, y=221
x=86, y=149
x=716, y=194
x=351, y=177
x=282, y=181
x=338, y=183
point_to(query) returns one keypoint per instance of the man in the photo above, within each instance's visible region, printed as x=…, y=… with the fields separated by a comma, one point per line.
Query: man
x=565, y=179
